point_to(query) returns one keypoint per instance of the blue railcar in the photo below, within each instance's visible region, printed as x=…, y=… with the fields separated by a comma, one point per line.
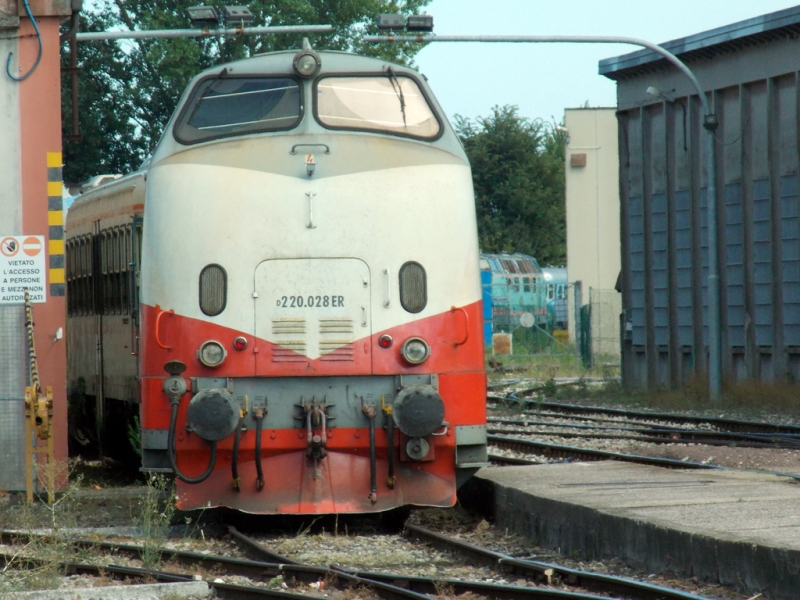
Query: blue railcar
x=517, y=286
x=556, y=286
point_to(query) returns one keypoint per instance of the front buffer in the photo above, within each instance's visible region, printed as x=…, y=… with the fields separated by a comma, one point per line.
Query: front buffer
x=317, y=444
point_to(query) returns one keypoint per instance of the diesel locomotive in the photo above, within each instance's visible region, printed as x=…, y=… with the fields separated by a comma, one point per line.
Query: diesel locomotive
x=288, y=293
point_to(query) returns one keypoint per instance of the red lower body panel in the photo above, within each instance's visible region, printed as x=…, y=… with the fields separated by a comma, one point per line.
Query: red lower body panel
x=338, y=483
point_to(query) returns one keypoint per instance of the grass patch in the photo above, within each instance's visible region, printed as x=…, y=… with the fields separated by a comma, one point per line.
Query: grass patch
x=542, y=366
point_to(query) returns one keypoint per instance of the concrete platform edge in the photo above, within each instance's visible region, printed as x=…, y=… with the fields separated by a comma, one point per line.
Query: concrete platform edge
x=591, y=534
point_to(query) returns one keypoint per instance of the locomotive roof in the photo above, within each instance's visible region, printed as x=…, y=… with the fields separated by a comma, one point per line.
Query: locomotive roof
x=332, y=61
x=281, y=64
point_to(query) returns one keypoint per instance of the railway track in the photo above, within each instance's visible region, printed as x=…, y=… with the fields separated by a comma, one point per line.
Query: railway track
x=594, y=582
x=721, y=423
x=567, y=453
x=389, y=586
x=661, y=434
x=545, y=425
x=563, y=452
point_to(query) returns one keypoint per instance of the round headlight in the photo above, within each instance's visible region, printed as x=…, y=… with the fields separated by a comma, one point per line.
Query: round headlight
x=307, y=63
x=415, y=351
x=211, y=354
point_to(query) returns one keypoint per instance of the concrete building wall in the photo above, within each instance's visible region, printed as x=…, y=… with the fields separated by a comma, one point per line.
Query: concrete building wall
x=592, y=189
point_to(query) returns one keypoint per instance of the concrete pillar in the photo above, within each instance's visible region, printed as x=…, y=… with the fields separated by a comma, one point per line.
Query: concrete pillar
x=30, y=205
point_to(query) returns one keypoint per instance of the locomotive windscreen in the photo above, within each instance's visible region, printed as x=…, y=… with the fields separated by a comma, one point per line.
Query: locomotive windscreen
x=377, y=103
x=226, y=106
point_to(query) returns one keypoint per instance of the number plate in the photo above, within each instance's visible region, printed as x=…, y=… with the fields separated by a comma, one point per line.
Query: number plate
x=310, y=302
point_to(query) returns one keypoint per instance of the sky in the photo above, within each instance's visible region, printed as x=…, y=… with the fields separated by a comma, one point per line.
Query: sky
x=544, y=79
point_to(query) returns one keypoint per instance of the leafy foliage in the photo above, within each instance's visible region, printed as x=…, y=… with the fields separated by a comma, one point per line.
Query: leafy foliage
x=129, y=90
x=518, y=174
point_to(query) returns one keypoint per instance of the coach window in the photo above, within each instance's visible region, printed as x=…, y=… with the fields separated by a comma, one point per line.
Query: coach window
x=385, y=103
x=223, y=106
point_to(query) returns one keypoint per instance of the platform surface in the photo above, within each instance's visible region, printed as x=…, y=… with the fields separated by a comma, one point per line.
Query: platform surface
x=740, y=528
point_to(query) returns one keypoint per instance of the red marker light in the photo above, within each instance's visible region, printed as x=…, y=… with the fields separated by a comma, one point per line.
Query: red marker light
x=240, y=343
x=385, y=341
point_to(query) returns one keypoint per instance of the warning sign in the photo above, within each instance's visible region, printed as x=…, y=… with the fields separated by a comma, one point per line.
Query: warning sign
x=9, y=246
x=22, y=265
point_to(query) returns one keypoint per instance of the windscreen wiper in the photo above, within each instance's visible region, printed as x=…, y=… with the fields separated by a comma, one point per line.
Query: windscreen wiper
x=397, y=90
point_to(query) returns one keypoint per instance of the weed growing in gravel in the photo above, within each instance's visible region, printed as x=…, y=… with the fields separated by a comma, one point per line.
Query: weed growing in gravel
x=444, y=589
x=305, y=530
x=157, y=507
x=43, y=545
x=357, y=592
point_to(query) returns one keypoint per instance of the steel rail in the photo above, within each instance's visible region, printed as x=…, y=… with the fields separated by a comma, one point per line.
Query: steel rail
x=261, y=552
x=595, y=582
x=728, y=424
x=512, y=460
x=709, y=438
x=432, y=585
x=386, y=585
x=736, y=433
x=225, y=591
x=590, y=454
x=253, y=569
x=560, y=450
x=787, y=438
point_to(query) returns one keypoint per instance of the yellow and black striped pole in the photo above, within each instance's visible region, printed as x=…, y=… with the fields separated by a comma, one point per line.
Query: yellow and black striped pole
x=55, y=222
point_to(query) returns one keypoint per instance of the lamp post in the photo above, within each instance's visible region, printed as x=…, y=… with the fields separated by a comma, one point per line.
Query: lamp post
x=202, y=32
x=709, y=124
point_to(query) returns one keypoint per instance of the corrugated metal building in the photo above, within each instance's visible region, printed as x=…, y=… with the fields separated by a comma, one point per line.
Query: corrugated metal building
x=750, y=71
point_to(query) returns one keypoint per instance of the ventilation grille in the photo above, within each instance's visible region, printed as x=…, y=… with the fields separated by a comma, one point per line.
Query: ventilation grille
x=413, y=287
x=290, y=340
x=213, y=290
x=336, y=340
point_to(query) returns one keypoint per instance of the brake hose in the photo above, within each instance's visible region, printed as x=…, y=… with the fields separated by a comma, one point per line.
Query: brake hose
x=369, y=412
x=235, y=459
x=212, y=461
x=259, y=414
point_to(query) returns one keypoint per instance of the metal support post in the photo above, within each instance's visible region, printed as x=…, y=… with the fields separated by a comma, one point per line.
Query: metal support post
x=714, y=335
x=203, y=32
x=709, y=123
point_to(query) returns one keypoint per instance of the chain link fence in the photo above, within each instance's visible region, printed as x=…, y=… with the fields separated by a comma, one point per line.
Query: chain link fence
x=521, y=320
x=558, y=323
x=604, y=349
x=13, y=379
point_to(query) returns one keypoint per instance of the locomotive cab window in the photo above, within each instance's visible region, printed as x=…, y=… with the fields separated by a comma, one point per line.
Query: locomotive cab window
x=229, y=106
x=385, y=103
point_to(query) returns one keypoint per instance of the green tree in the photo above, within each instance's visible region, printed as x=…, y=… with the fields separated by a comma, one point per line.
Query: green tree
x=129, y=90
x=518, y=174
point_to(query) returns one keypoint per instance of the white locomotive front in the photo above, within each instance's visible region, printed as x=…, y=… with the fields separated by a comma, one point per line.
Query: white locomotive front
x=310, y=297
